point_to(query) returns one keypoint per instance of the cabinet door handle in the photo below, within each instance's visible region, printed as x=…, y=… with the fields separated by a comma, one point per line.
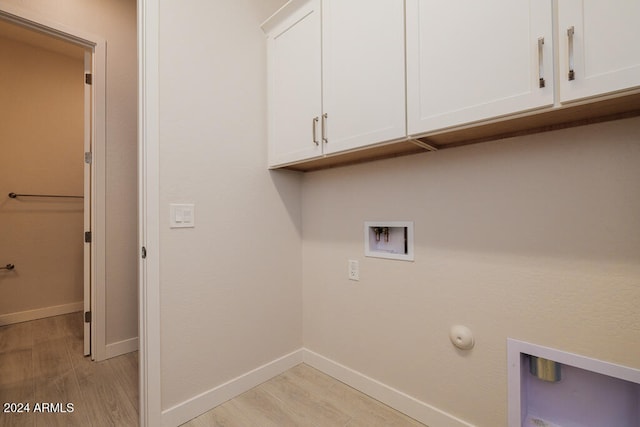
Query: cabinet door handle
x=314, y=124
x=324, y=128
x=570, y=32
x=541, y=62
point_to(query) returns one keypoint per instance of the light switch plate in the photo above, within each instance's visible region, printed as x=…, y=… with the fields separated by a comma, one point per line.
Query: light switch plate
x=182, y=215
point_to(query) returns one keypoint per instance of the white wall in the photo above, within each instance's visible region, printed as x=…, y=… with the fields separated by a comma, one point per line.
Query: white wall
x=535, y=238
x=231, y=296
x=114, y=21
x=41, y=143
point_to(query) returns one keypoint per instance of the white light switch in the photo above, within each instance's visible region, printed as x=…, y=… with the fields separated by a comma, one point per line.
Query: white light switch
x=181, y=215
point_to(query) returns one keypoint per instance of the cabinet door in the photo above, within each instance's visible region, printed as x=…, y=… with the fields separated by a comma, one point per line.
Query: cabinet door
x=473, y=60
x=294, y=86
x=363, y=72
x=604, y=52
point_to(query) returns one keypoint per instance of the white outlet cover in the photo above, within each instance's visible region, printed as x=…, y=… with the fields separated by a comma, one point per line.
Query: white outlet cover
x=354, y=270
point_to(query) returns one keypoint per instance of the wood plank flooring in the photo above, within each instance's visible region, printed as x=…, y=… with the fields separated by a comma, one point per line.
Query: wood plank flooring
x=303, y=396
x=41, y=362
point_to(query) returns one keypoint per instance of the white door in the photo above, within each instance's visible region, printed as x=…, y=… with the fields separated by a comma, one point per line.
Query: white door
x=294, y=87
x=362, y=72
x=469, y=61
x=600, y=43
x=88, y=66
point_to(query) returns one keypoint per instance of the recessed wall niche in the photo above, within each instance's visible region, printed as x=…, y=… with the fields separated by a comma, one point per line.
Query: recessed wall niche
x=552, y=388
x=389, y=239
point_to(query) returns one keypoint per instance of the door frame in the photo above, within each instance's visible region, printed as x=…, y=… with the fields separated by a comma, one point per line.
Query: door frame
x=87, y=175
x=149, y=213
x=97, y=195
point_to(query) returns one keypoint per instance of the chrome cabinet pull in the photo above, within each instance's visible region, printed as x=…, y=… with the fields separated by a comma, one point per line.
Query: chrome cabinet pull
x=570, y=32
x=324, y=128
x=314, y=124
x=541, y=62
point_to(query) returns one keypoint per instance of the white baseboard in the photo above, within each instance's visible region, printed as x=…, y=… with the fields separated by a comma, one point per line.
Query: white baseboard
x=121, y=347
x=423, y=412
x=396, y=399
x=40, y=313
x=208, y=400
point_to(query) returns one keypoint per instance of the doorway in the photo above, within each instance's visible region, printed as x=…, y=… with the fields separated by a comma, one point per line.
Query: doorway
x=46, y=129
x=120, y=371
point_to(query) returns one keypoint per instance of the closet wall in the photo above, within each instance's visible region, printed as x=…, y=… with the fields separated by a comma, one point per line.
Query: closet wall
x=41, y=141
x=115, y=22
x=230, y=287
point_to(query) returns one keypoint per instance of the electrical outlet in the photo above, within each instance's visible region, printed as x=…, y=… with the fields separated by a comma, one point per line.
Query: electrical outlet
x=354, y=270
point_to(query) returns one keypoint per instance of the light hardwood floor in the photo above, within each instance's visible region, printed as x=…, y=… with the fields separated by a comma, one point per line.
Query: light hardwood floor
x=41, y=362
x=302, y=396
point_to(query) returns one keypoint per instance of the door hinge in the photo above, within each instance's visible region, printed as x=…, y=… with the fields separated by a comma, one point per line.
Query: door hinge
x=88, y=78
x=88, y=157
x=87, y=237
x=143, y=252
x=87, y=317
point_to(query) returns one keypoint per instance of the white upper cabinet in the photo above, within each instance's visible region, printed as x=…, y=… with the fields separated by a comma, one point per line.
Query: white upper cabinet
x=336, y=77
x=600, y=43
x=294, y=85
x=355, y=80
x=363, y=72
x=471, y=60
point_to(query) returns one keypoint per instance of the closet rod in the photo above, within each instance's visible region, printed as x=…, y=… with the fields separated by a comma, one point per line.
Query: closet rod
x=8, y=267
x=14, y=195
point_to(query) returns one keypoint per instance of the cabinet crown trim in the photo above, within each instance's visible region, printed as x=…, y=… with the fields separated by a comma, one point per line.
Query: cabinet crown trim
x=281, y=14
